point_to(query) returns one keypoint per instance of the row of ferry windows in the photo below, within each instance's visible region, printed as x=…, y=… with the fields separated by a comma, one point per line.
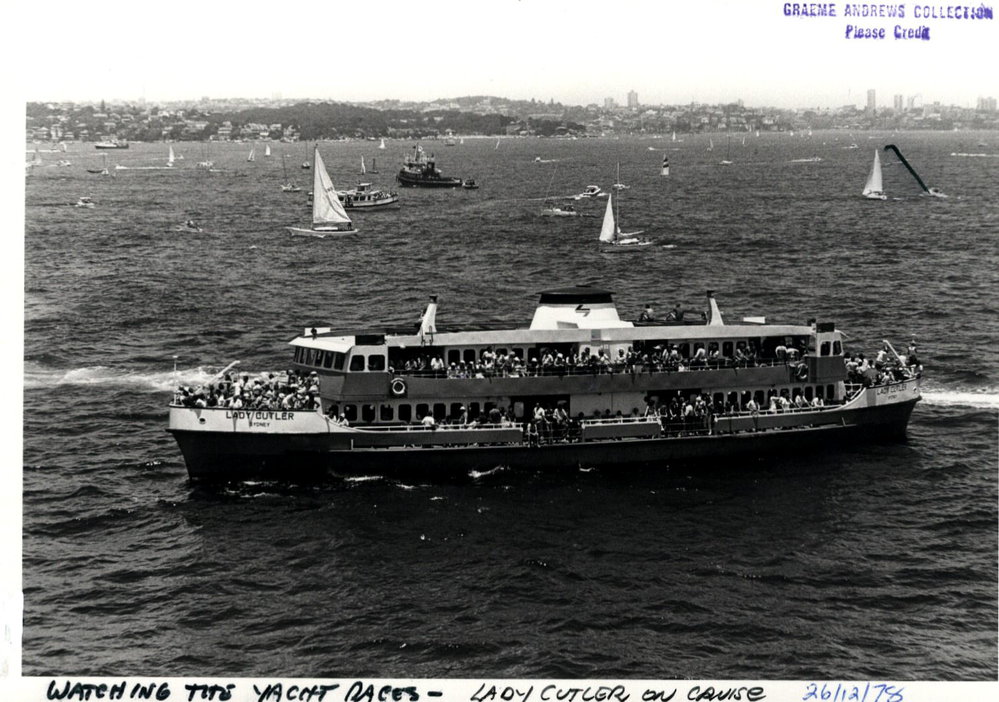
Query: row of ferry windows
x=376, y=362
x=335, y=360
x=407, y=413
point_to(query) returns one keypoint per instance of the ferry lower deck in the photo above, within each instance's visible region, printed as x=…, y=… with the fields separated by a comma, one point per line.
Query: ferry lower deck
x=220, y=444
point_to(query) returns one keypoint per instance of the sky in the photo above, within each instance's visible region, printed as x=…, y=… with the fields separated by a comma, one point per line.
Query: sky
x=575, y=51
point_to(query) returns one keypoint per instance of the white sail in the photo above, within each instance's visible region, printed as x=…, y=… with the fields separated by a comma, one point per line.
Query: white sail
x=874, y=185
x=363, y=169
x=382, y=144
x=674, y=136
x=267, y=150
x=608, y=231
x=665, y=167
x=170, y=157
x=326, y=207
x=252, y=155
x=711, y=145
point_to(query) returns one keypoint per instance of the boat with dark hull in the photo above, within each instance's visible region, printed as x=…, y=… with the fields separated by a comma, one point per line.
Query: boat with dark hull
x=420, y=171
x=578, y=387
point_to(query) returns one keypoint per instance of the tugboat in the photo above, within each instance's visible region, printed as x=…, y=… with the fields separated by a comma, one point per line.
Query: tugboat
x=420, y=171
x=578, y=386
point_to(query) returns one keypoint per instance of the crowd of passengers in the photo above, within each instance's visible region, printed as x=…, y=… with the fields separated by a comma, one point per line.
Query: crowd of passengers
x=678, y=416
x=662, y=357
x=887, y=367
x=290, y=391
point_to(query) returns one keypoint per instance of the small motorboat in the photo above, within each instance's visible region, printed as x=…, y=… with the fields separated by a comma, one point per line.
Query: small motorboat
x=469, y=184
x=84, y=202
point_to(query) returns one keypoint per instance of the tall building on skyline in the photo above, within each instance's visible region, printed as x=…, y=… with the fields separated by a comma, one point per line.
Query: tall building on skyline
x=899, y=103
x=609, y=103
x=632, y=98
x=872, y=104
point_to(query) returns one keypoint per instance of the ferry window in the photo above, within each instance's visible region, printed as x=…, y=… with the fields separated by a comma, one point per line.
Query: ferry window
x=469, y=355
x=837, y=348
x=422, y=410
x=357, y=363
x=456, y=410
x=308, y=356
x=830, y=392
x=350, y=412
x=405, y=413
x=501, y=352
x=333, y=410
x=712, y=346
x=727, y=349
x=376, y=362
x=684, y=349
x=473, y=410
x=298, y=354
x=386, y=414
x=440, y=411
x=795, y=392
x=453, y=356
x=746, y=397
x=367, y=413
x=719, y=398
x=519, y=353
x=809, y=393
x=328, y=359
x=338, y=359
x=489, y=406
x=820, y=391
x=824, y=349
x=760, y=398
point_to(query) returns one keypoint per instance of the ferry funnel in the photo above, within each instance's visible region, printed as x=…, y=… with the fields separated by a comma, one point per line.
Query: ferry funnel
x=428, y=322
x=714, y=314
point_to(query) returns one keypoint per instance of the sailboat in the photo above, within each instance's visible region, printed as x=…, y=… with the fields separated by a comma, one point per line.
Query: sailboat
x=287, y=187
x=207, y=163
x=328, y=216
x=374, y=165
x=665, y=167
x=550, y=209
x=305, y=163
x=674, y=136
x=382, y=145
x=170, y=158
x=103, y=170
x=618, y=185
x=711, y=144
x=614, y=239
x=873, y=188
x=497, y=144
x=267, y=151
x=363, y=169
x=728, y=151
x=252, y=156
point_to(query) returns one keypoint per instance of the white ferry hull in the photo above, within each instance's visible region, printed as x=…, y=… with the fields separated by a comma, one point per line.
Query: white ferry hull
x=224, y=445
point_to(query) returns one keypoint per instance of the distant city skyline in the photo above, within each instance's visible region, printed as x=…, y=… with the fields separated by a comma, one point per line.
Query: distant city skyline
x=579, y=53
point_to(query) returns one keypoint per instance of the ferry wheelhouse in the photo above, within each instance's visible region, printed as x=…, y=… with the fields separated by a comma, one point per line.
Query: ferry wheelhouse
x=577, y=386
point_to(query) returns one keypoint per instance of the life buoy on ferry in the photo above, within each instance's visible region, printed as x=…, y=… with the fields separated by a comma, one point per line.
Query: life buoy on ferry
x=398, y=387
x=802, y=372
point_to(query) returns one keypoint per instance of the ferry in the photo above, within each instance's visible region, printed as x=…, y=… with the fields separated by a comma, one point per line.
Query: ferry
x=111, y=144
x=364, y=196
x=420, y=171
x=577, y=387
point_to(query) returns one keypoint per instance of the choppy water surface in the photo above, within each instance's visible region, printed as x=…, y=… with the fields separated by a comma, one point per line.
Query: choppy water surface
x=871, y=562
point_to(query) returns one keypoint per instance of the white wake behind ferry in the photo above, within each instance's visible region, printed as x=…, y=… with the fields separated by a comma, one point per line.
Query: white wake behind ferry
x=578, y=386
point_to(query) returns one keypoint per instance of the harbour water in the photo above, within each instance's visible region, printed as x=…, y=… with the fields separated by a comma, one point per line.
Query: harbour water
x=873, y=561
